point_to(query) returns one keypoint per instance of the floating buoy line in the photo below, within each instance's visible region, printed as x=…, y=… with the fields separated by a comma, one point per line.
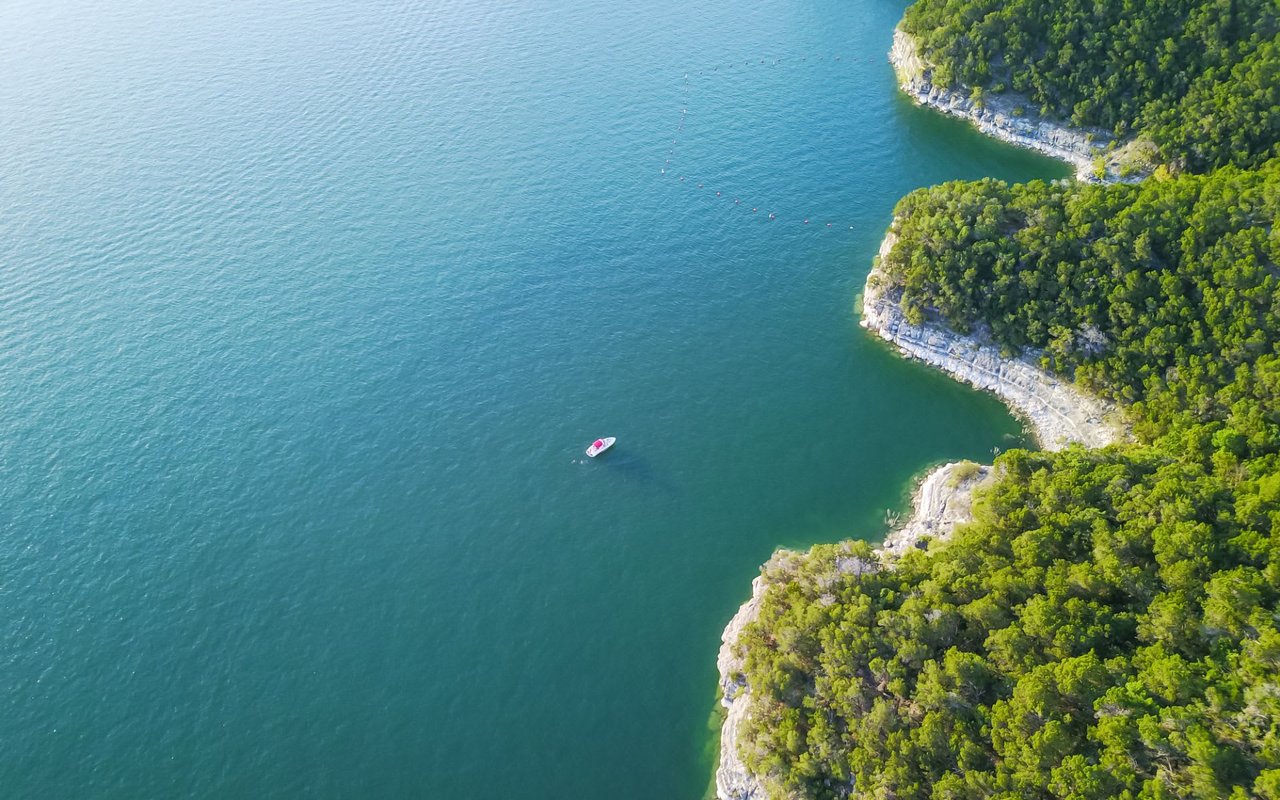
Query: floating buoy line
x=704, y=185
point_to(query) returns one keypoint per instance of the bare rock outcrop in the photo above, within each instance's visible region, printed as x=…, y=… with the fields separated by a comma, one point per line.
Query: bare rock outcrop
x=942, y=501
x=733, y=780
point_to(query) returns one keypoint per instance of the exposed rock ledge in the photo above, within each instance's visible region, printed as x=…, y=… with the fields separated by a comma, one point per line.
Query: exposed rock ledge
x=942, y=501
x=1012, y=118
x=1058, y=413
x=733, y=780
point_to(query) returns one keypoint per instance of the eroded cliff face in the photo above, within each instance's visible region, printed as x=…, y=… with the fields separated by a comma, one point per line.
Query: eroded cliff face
x=733, y=780
x=1058, y=412
x=1014, y=119
x=942, y=501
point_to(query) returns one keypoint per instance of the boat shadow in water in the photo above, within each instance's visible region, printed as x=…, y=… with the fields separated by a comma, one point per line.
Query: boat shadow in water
x=635, y=467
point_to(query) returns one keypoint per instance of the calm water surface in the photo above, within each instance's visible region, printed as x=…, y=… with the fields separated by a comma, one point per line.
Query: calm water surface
x=307, y=311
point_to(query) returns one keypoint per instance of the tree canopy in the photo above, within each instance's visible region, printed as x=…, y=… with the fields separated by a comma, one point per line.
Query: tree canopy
x=1200, y=77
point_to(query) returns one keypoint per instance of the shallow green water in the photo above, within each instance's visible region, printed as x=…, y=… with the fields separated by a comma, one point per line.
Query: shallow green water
x=307, y=311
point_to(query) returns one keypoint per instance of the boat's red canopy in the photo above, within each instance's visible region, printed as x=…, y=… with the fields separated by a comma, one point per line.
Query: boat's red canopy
x=598, y=443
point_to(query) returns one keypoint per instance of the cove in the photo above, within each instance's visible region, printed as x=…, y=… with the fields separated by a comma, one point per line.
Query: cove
x=309, y=310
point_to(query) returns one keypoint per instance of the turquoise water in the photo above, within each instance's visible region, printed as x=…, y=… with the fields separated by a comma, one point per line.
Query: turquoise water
x=307, y=311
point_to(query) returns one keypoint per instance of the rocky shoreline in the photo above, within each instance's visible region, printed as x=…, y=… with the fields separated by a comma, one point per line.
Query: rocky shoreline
x=1012, y=118
x=1057, y=413
x=942, y=501
x=733, y=780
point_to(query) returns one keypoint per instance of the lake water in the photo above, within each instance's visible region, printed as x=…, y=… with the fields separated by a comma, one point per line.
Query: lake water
x=307, y=312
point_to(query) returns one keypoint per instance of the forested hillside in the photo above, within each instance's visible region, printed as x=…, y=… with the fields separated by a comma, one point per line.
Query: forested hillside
x=1201, y=78
x=1107, y=626
x=1161, y=295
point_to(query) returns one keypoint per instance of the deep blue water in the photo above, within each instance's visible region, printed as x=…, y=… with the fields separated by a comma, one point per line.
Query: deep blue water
x=307, y=311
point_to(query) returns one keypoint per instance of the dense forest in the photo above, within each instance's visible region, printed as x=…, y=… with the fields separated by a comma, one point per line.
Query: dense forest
x=1200, y=78
x=1106, y=627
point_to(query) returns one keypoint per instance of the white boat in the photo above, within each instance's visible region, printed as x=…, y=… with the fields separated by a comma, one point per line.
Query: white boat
x=600, y=445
